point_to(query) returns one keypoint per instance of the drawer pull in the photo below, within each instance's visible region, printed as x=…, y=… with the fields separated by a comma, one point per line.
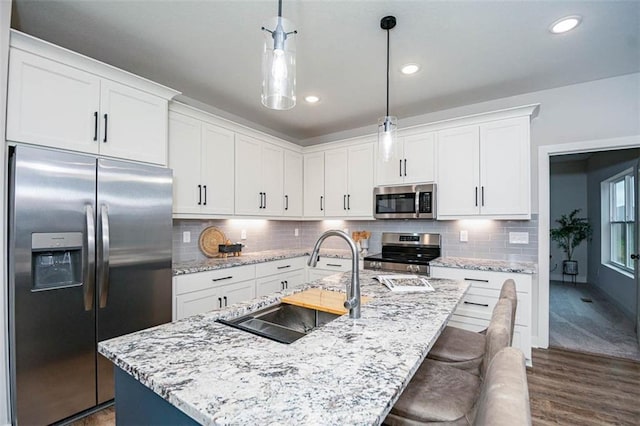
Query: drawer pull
x=334, y=264
x=476, y=280
x=223, y=278
x=284, y=267
x=477, y=304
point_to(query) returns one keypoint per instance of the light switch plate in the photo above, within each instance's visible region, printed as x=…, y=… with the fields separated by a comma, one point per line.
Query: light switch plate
x=186, y=237
x=295, y=232
x=464, y=235
x=518, y=238
x=243, y=234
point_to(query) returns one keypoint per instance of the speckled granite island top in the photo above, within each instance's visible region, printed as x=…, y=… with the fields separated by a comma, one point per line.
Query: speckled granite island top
x=252, y=258
x=343, y=373
x=485, y=265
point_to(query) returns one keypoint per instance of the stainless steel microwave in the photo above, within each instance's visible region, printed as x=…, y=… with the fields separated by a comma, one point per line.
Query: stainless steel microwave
x=405, y=202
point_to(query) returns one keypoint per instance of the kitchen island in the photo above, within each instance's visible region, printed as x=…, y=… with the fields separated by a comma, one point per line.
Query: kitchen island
x=345, y=372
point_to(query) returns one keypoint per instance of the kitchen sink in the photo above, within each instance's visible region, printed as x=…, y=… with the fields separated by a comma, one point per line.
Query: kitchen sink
x=283, y=323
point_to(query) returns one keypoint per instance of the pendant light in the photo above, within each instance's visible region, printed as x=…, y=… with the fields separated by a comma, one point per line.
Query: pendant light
x=279, y=64
x=387, y=125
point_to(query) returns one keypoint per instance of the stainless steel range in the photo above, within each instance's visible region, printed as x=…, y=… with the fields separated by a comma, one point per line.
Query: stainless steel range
x=405, y=252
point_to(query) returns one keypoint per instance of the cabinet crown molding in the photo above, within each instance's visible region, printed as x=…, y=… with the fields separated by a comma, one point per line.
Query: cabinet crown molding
x=28, y=43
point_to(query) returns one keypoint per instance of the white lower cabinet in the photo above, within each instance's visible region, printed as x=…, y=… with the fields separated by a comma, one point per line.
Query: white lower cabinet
x=280, y=275
x=328, y=266
x=207, y=291
x=475, y=309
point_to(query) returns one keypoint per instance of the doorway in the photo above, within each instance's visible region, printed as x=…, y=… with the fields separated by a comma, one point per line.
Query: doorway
x=592, y=291
x=545, y=152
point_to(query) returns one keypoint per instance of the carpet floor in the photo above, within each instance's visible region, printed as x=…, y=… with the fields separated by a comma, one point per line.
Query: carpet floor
x=582, y=319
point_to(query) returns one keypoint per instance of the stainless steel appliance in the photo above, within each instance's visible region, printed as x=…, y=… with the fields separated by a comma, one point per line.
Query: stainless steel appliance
x=90, y=259
x=405, y=252
x=405, y=202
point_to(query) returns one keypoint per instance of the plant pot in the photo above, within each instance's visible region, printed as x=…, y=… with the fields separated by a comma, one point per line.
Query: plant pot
x=570, y=267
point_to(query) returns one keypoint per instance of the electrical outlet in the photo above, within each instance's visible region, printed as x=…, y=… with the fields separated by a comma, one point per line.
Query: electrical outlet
x=518, y=238
x=295, y=232
x=464, y=235
x=243, y=234
x=186, y=237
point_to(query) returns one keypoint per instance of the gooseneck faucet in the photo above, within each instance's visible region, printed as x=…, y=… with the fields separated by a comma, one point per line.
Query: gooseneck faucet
x=353, y=301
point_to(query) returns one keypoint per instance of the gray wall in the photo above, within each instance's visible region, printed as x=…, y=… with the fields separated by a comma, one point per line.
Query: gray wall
x=487, y=238
x=568, y=191
x=620, y=288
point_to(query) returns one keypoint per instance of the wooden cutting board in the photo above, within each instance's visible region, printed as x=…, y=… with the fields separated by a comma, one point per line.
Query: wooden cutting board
x=322, y=300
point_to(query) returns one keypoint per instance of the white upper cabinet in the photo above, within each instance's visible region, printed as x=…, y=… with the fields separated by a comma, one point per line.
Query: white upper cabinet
x=339, y=182
x=59, y=99
x=483, y=170
x=134, y=124
x=293, y=176
x=259, y=175
x=201, y=156
x=313, y=193
x=52, y=104
x=413, y=163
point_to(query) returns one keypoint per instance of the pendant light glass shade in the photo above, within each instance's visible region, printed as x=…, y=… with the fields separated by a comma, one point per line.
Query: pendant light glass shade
x=279, y=65
x=387, y=139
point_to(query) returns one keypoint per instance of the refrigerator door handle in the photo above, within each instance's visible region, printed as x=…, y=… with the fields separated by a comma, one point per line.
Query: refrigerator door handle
x=103, y=260
x=89, y=272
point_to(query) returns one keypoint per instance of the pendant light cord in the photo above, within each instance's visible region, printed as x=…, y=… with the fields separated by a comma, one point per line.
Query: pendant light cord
x=279, y=8
x=387, y=72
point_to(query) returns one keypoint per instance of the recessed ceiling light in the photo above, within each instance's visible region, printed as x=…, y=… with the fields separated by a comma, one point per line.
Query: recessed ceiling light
x=312, y=99
x=565, y=24
x=409, y=69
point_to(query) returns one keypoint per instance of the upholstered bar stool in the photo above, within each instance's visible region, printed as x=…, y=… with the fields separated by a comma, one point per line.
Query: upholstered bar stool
x=464, y=349
x=504, y=399
x=439, y=393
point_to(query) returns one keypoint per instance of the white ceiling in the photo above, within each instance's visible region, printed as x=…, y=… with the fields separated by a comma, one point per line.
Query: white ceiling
x=470, y=51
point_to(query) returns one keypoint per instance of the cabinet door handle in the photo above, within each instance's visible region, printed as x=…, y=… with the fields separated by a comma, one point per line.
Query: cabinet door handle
x=286, y=202
x=405, y=166
x=220, y=302
x=348, y=201
x=260, y=200
x=476, y=280
x=476, y=304
x=286, y=284
x=284, y=267
x=334, y=264
x=321, y=199
x=225, y=300
x=222, y=279
x=205, y=194
x=95, y=126
x=199, y=195
x=106, y=127
x=265, y=201
x=344, y=202
x=482, y=197
x=476, y=196
x=282, y=284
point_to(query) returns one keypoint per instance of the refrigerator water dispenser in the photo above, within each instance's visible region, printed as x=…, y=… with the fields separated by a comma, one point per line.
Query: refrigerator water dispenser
x=56, y=260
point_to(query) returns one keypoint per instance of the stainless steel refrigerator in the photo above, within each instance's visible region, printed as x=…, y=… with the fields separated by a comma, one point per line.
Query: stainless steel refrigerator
x=89, y=259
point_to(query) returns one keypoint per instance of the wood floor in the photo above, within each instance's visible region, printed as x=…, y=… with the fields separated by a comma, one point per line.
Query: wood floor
x=571, y=388
x=565, y=388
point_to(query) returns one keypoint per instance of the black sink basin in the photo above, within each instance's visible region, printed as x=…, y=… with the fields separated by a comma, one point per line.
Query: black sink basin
x=283, y=323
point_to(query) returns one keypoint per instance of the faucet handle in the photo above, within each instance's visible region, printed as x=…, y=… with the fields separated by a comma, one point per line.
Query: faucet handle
x=351, y=303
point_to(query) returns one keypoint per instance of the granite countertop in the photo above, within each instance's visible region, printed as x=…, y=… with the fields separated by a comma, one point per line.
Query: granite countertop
x=251, y=258
x=346, y=372
x=485, y=265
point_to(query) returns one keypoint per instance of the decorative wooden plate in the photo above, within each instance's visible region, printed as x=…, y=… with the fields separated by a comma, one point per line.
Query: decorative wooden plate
x=210, y=239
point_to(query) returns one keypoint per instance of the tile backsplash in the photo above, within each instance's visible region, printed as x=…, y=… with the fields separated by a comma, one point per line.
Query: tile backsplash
x=487, y=239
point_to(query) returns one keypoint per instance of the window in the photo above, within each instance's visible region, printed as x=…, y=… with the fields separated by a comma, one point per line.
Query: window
x=621, y=220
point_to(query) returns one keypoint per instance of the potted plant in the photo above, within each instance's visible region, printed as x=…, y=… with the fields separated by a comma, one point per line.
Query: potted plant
x=572, y=231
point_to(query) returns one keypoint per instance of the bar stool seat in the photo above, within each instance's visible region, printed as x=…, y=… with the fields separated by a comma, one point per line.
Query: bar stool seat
x=463, y=348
